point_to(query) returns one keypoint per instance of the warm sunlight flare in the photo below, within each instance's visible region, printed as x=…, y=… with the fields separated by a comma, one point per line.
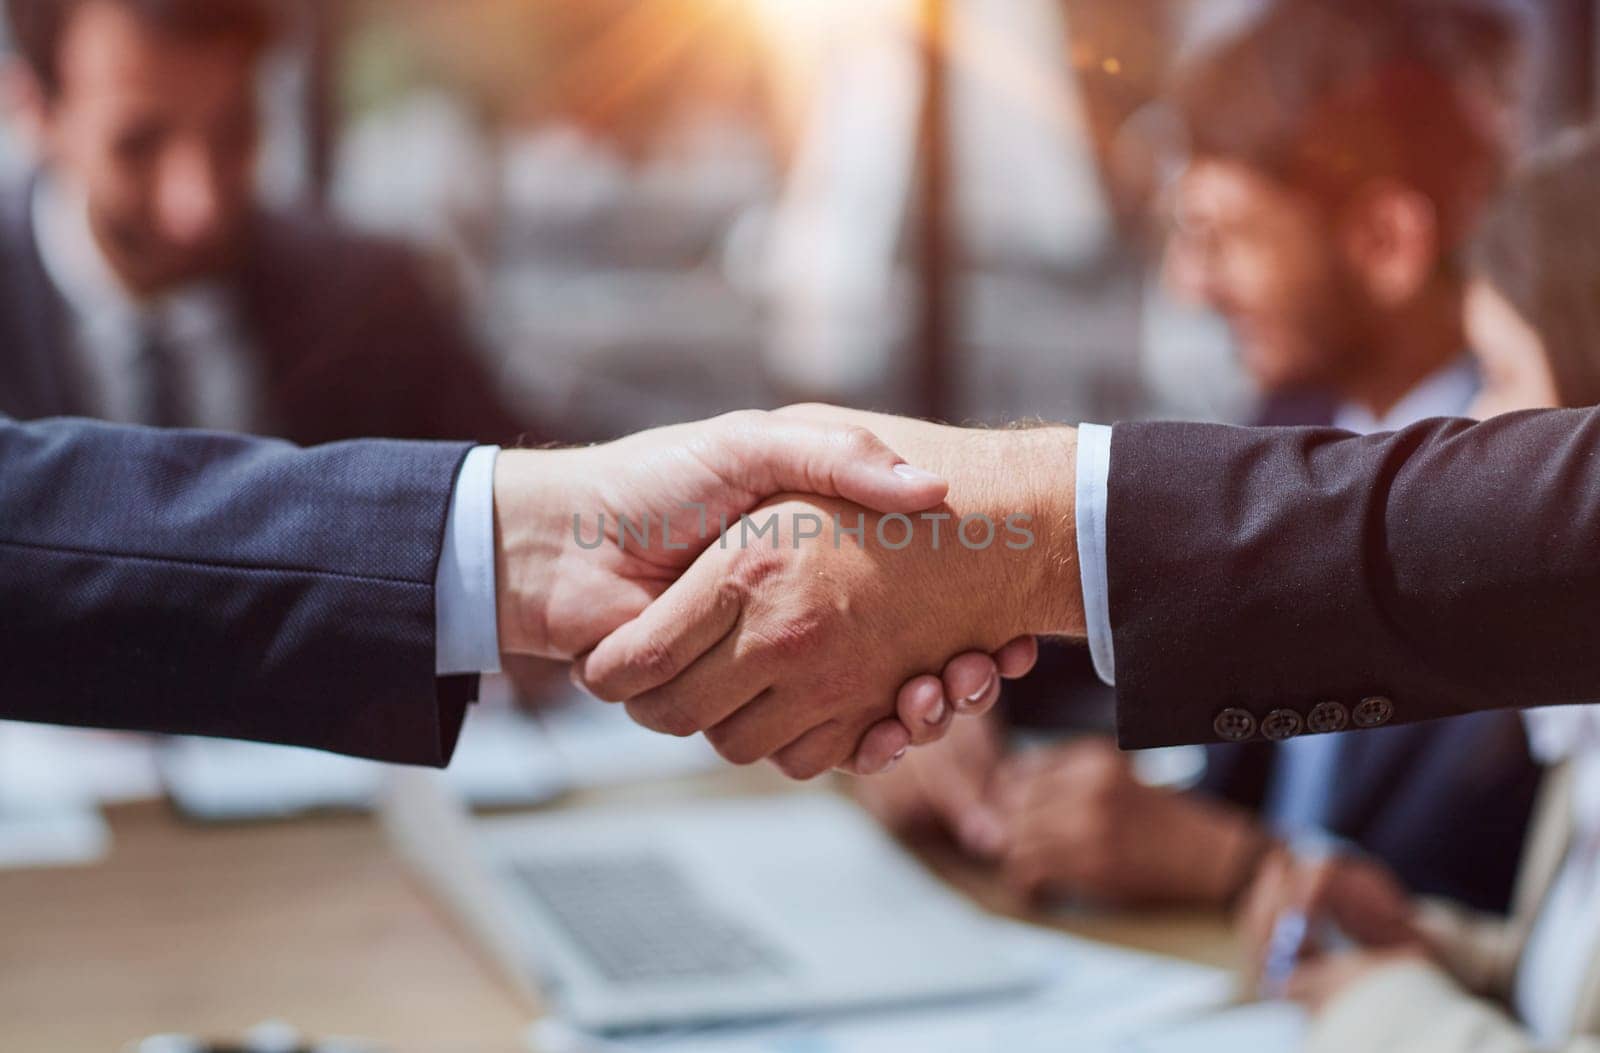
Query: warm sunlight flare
x=812, y=15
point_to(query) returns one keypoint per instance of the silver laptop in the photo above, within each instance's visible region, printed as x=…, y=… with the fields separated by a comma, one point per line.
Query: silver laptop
x=703, y=912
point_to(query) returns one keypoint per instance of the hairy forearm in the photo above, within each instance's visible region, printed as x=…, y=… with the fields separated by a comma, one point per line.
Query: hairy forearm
x=1052, y=591
x=1026, y=475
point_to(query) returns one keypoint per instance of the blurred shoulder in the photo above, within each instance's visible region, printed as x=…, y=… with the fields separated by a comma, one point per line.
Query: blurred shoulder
x=315, y=250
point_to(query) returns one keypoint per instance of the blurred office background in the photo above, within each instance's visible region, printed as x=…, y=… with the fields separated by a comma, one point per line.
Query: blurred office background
x=669, y=208
x=658, y=210
x=662, y=209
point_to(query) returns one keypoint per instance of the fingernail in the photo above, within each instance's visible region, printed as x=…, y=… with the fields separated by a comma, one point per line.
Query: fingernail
x=913, y=474
x=978, y=696
x=937, y=716
x=894, y=762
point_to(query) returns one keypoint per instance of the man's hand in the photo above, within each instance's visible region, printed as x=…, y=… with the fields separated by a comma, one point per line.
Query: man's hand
x=587, y=538
x=1078, y=822
x=947, y=786
x=785, y=637
x=1359, y=896
x=1320, y=980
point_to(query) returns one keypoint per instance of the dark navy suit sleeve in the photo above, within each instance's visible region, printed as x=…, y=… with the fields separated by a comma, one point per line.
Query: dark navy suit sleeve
x=188, y=582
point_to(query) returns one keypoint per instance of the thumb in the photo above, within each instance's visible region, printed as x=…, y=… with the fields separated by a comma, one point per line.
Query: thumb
x=776, y=454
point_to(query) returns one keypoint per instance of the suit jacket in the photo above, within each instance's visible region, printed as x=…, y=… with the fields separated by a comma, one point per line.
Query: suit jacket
x=1459, y=1006
x=351, y=340
x=195, y=583
x=1448, y=826
x=1289, y=579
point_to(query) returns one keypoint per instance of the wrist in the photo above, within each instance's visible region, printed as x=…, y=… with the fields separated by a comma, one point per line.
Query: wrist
x=1048, y=591
x=1024, y=582
x=530, y=513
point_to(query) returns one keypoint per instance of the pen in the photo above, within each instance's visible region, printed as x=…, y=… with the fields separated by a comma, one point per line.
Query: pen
x=1287, y=943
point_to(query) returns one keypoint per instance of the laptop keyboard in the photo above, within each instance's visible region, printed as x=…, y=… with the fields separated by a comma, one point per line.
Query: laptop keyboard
x=640, y=920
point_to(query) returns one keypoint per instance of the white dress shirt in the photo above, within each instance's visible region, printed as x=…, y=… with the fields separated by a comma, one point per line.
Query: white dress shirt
x=200, y=327
x=466, y=618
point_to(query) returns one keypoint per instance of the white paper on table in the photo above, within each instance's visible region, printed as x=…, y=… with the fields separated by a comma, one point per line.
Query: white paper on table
x=51, y=783
x=68, y=835
x=47, y=767
x=1264, y=1027
x=598, y=745
x=506, y=758
x=1094, y=996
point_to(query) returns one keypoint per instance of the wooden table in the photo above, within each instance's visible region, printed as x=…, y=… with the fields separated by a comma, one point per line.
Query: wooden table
x=212, y=930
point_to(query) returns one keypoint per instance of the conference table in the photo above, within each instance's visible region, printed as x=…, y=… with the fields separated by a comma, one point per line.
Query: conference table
x=212, y=930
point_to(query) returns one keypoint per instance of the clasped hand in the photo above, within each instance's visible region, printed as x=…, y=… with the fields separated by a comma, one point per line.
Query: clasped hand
x=779, y=636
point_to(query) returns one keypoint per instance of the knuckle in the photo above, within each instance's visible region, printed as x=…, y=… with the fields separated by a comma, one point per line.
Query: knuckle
x=743, y=419
x=655, y=661
x=662, y=715
x=801, y=639
x=742, y=754
x=733, y=747
x=753, y=568
x=801, y=769
x=860, y=442
x=807, y=409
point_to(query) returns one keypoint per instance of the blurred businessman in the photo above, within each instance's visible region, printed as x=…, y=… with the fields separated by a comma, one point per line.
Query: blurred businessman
x=1344, y=294
x=140, y=279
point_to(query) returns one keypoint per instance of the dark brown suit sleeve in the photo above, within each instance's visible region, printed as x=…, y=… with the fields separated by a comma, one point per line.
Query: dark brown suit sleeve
x=1263, y=573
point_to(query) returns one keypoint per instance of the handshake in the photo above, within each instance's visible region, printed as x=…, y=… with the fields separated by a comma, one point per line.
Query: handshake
x=788, y=583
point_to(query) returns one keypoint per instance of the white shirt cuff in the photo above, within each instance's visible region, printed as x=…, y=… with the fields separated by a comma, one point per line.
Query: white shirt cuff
x=1094, y=471
x=466, y=619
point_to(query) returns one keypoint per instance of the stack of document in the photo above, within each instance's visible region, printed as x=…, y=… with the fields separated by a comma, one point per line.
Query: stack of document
x=1268, y=1027
x=52, y=781
x=506, y=758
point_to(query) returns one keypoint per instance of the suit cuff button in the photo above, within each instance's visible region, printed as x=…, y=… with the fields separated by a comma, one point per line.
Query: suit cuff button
x=1373, y=712
x=1234, y=725
x=1328, y=717
x=1281, y=724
